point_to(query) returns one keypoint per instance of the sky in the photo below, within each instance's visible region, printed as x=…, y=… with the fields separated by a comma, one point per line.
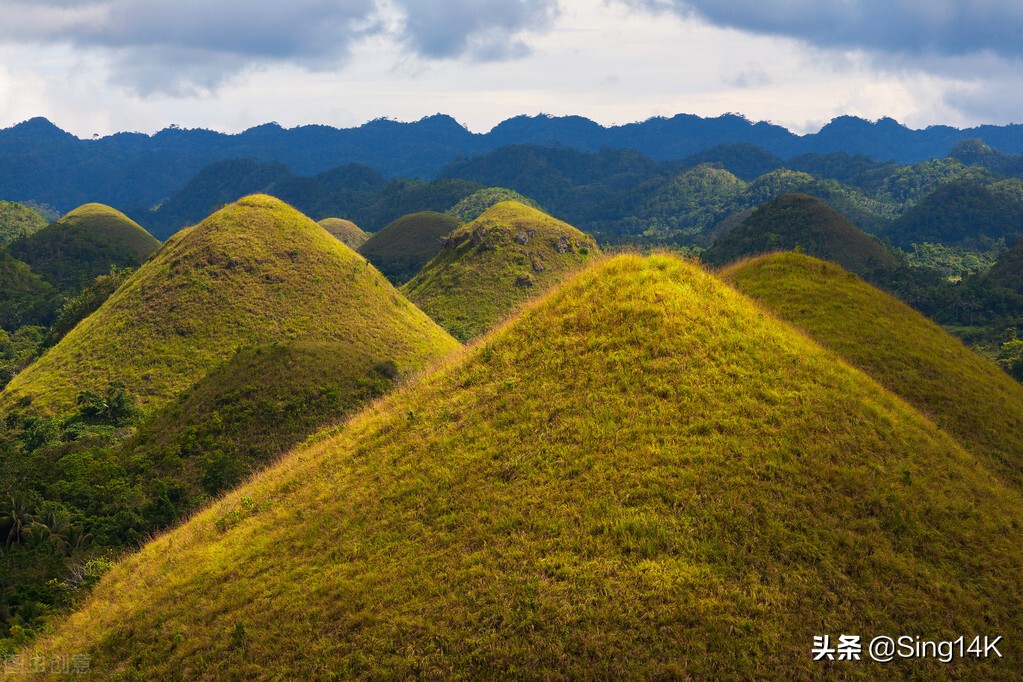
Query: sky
x=95, y=67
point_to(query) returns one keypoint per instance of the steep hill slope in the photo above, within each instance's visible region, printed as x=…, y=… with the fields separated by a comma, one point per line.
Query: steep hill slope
x=510, y=253
x=965, y=394
x=643, y=475
x=798, y=220
x=253, y=273
x=345, y=230
x=403, y=247
x=84, y=244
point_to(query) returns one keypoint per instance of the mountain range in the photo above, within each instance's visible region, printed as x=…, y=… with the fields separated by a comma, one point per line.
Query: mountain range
x=40, y=161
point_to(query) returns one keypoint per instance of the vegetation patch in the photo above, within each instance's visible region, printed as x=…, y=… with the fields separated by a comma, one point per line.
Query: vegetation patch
x=401, y=249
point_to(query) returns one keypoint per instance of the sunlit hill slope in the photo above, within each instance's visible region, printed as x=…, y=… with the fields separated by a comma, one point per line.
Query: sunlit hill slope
x=641, y=475
x=964, y=393
x=254, y=273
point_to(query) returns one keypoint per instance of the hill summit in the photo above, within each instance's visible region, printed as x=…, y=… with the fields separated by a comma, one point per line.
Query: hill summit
x=800, y=221
x=510, y=253
x=642, y=475
x=84, y=244
x=255, y=272
x=345, y=230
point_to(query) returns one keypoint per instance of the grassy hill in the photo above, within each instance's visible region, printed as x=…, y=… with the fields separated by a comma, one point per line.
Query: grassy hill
x=805, y=222
x=17, y=221
x=799, y=221
x=84, y=244
x=509, y=254
x=345, y=230
x=255, y=272
x=963, y=393
x=643, y=475
x=403, y=247
x=474, y=205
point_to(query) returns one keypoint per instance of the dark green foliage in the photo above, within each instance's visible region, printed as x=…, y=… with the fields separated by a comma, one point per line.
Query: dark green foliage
x=402, y=197
x=211, y=189
x=961, y=213
x=86, y=301
x=338, y=191
x=742, y=159
x=113, y=406
x=18, y=349
x=798, y=221
x=17, y=221
x=25, y=298
x=401, y=249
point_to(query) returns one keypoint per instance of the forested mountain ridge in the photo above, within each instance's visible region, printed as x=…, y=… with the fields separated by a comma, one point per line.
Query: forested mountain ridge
x=40, y=161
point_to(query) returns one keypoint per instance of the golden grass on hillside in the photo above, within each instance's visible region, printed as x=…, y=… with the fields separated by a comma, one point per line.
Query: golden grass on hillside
x=345, y=230
x=964, y=393
x=642, y=476
x=509, y=254
x=256, y=272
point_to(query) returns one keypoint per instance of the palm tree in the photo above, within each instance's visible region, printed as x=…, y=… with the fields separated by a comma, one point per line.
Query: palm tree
x=17, y=518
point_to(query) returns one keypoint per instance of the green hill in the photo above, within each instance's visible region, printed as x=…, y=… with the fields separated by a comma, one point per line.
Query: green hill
x=509, y=254
x=474, y=205
x=965, y=394
x=641, y=476
x=401, y=249
x=255, y=272
x=17, y=221
x=799, y=221
x=960, y=213
x=345, y=230
x=84, y=244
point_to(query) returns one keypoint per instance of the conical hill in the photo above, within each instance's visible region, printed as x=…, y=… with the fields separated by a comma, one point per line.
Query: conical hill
x=345, y=230
x=642, y=475
x=799, y=221
x=510, y=253
x=404, y=246
x=84, y=244
x=255, y=272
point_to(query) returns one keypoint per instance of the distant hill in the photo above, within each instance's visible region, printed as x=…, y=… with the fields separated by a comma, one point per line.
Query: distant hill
x=255, y=272
x=509, y=254
x=84, y=244
x=960, y=213
x=799, y=221
x=345, y=230
x=17, y=221
x=474, y=205
x=742, y=159
x=642, y=475
x=963, y=393
x=401, y=249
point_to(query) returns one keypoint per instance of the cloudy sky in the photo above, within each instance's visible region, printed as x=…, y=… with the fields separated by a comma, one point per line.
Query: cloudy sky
x=99, y=66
